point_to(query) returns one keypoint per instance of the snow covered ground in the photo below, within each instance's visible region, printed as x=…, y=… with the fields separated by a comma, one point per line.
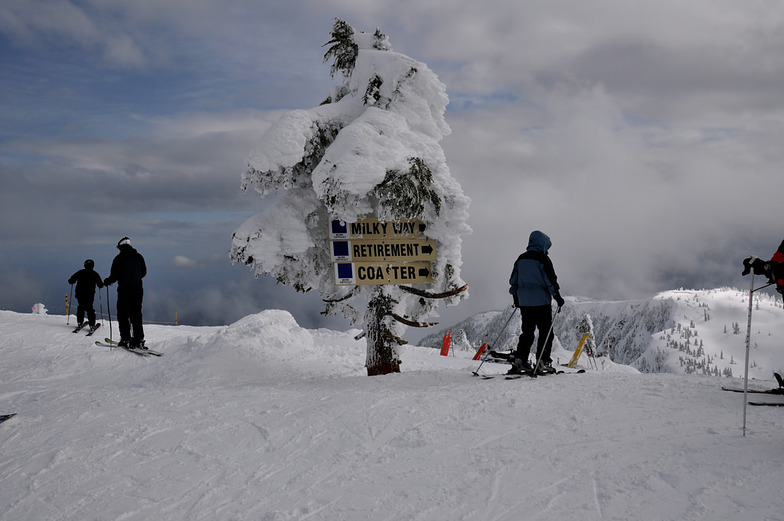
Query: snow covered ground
x=264, y=420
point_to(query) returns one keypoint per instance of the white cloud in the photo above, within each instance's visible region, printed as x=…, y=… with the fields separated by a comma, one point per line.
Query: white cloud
x=181, y=261
x=124, y=51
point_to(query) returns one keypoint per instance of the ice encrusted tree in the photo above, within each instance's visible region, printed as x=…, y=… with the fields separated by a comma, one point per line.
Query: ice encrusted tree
x=371, y=149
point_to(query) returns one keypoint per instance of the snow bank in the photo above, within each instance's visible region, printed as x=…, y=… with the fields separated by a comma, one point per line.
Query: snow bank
x=265, y=420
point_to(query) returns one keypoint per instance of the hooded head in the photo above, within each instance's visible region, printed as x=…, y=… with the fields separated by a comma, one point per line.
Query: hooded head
x=122, y=242
x=538, y=241
x=89, y=264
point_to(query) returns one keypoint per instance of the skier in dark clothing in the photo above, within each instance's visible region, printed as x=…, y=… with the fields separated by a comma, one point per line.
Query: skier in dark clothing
x=779, y=255
x=128, y=270
x=86, y=279
x=778, y=268
x=533, y=283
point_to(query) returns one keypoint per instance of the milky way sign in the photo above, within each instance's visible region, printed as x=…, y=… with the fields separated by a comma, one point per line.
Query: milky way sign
x=373, y=229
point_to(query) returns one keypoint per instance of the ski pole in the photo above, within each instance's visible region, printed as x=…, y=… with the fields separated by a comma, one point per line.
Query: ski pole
x=539, y=358
x=476, y=373
x=100, y=303
x=591, y=359
x=748, y=345
x=68, y=307
x=748, y=341
x=109, y=311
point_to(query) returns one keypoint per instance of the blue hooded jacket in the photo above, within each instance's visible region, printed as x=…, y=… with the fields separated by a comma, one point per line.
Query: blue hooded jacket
x=533, y=279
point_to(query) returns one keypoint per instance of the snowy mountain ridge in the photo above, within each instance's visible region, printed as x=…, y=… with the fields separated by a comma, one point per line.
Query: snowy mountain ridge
x=676, y=331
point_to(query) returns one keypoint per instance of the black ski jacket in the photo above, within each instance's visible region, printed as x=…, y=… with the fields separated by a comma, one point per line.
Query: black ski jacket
x=128, y=269
x=86, y=279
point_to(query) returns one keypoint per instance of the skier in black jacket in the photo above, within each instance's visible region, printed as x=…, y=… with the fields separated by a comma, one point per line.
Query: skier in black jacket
x=128, y=270
x=86, y=279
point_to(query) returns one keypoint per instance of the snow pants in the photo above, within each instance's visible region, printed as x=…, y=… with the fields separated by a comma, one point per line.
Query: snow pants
x=129, y=313
x=85, y=306
x=536, y=317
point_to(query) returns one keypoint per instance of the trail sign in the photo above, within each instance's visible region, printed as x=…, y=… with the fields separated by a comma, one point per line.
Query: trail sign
x=373, y=252
x=363, y=250
x=372, y=228
x=377, y=273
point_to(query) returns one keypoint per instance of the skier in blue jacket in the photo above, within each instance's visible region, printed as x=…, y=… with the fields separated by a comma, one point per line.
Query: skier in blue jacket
x=533, y=284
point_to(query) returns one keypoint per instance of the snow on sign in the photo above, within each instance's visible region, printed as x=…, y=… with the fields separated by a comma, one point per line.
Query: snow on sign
x=363, y=250
x=372, y=228
x=376, y=273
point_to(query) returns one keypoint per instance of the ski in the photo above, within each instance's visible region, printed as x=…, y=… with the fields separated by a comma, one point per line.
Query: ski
x=480, y=351
x=506, y=376
x=500, y=357
x=4, y=417
x=108, y=342
x=486, y=376
x=92, y=330
x=493, y=356
x=115, y=345
x=528, y=374
x=141, y=352
x=770, y=404
x=80, y=327
x=754, y=391
x=780, y=389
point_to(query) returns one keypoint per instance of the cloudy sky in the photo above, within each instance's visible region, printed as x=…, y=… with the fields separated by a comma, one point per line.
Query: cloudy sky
x=644, y=137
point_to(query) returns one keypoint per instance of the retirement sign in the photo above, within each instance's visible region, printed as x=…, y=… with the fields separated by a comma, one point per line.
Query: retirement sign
x=364, y=250
x=370, y=251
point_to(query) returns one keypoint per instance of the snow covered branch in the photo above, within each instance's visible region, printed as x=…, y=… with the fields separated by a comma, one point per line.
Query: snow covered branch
x=426, y=294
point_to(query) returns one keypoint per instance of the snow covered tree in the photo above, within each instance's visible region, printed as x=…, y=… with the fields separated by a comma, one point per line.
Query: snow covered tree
x=370, y=150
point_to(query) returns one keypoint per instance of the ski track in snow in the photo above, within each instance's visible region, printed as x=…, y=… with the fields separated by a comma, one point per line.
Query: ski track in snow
x=238, y=422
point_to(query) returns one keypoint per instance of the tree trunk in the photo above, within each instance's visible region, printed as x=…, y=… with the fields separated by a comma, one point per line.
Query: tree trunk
x=382, y=357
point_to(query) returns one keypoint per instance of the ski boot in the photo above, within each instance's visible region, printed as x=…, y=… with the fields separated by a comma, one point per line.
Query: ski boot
x=545, y=368
x=520, y=366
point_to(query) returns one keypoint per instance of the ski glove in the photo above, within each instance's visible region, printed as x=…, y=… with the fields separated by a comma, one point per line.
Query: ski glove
x=559, y=300
x=760, y=267
x=516, y=300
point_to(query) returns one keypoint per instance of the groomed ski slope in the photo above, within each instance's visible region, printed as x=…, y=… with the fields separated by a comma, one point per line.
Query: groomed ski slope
x=264, y=420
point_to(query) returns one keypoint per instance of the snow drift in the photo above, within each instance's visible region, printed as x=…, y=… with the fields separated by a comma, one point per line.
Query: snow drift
x=265, y=420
